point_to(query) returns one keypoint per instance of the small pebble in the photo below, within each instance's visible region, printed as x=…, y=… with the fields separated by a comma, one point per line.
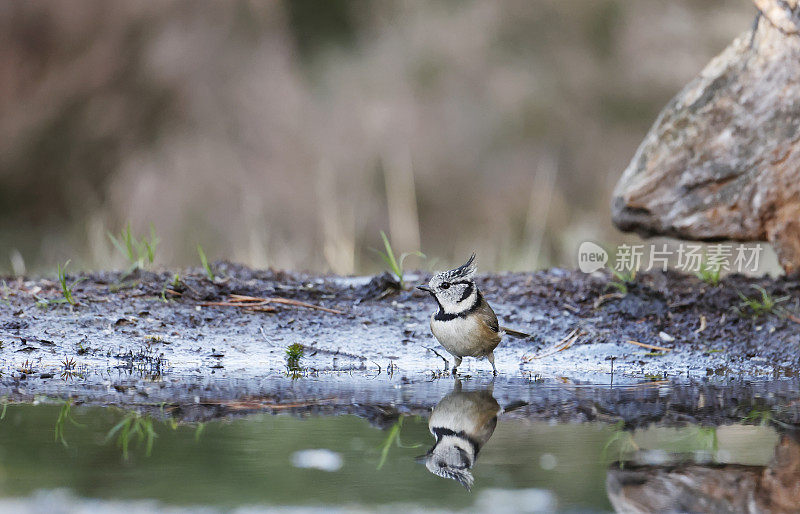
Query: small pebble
x=666, y=337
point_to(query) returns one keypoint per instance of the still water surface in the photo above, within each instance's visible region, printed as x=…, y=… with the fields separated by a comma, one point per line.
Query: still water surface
x=284, y=460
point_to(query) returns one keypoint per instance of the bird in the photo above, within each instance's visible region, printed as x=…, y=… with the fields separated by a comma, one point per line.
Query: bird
x=461, y=423
x=465, y=325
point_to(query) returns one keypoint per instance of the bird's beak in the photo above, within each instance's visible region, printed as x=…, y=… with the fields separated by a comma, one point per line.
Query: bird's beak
x=420, y=459
x=425, y=288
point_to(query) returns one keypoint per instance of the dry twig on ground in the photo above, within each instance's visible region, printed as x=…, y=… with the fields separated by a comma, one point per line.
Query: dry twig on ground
x=559, y=347
x=650, y=346
x=254, y=303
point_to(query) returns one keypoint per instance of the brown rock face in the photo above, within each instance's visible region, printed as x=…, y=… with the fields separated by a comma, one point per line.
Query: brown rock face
x=722, y=161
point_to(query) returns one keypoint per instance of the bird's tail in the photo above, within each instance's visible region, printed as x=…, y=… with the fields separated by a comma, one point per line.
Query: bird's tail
x=515, y=333
x=518, y=404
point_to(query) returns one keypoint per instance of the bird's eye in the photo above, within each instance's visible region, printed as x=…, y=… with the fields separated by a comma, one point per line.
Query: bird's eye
x=445, y=285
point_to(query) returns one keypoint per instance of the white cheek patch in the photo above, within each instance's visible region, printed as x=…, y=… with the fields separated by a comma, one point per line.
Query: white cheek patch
x=466, y=303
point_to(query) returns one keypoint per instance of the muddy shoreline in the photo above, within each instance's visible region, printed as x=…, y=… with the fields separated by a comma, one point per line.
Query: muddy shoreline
x=147, y=340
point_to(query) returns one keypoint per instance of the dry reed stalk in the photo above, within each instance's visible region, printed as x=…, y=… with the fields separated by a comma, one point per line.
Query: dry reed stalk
x=562, y=345
x=260, y=304
x=650, y=346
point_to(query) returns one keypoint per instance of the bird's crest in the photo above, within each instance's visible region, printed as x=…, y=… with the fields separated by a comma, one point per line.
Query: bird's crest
x=462, y=476
x=465, y=271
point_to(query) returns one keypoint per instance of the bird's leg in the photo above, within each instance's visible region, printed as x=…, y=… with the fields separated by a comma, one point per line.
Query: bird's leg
x=490, y=358
x=456, y=364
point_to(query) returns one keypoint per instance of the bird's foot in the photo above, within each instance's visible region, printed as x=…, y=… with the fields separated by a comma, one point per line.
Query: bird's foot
x=490, y=358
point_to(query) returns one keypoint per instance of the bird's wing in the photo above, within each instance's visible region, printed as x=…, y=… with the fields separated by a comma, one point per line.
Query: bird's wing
x=487, y=315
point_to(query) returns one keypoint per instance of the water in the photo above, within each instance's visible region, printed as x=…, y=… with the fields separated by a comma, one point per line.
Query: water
x=265, y=460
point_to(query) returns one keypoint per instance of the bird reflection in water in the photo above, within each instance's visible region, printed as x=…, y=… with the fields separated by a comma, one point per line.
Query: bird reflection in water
x=461, y=422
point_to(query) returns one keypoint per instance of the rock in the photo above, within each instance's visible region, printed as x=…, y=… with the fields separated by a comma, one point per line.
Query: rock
x=694, y=487
x=722, y=161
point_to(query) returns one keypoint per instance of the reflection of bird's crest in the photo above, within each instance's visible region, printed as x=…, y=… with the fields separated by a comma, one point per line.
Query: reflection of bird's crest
x=462, y=476
x=461, y=422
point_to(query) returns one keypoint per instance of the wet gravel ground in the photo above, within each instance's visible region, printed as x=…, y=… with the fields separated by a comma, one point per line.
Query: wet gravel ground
x=148, y=339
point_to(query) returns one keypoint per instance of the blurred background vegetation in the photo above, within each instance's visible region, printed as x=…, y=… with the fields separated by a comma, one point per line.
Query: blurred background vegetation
x=288, y=134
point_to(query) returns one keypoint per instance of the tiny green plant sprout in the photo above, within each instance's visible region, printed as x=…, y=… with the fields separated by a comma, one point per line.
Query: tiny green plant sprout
x=170, y=286
x=709, y=273
x=64, y=415
x=198, y=431
x=393, y=437
x=204, y=261
x=759, y=416
x=767, y=304
x=294, y=352
x=66, y=287
x=623, y=440
x=140, y=253
x=624, y=278
x=133, y=424
x=394, y=264
x=706, y=438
